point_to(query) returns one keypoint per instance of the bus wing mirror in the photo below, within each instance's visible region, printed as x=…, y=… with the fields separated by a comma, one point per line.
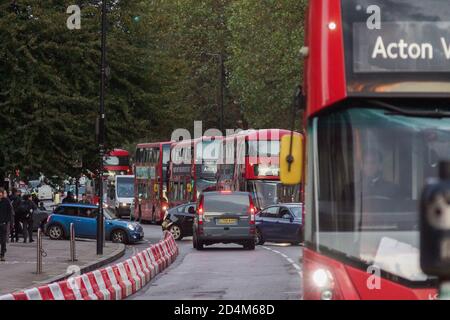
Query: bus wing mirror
x=291, y=160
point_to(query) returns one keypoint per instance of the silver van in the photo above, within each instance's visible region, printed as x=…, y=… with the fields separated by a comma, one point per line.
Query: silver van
x=224, y=217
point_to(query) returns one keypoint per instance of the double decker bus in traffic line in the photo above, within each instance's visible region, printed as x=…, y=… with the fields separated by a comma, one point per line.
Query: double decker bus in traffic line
x=193, y=168
x=377, y=86
x=117, y=162
x=151, y=176
x=250, y=162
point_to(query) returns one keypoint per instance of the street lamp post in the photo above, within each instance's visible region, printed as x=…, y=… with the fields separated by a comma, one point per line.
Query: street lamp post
x=101, y=134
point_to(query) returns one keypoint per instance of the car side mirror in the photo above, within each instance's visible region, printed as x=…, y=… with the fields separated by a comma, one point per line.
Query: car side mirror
x=191, y=210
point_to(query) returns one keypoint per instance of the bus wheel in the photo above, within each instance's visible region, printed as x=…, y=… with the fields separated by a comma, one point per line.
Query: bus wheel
x=176, y=232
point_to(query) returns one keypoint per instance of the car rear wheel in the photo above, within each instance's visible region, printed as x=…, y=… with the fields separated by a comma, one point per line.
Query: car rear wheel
x=259, y=238
x=299, y=239
x=118, y=236
x=199, y=245
x=176, y=232
x=55, y=232
x=250, y=245
x=194, y=242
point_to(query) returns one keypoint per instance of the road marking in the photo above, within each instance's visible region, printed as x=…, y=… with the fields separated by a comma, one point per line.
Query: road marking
x=296, y=266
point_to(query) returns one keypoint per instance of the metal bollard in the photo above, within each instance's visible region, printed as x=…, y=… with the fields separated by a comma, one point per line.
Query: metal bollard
x=73, y=253
x=39, y=252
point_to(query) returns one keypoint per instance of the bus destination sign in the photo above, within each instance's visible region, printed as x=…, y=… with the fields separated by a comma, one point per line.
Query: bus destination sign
x=396, y=48
x=402, y=47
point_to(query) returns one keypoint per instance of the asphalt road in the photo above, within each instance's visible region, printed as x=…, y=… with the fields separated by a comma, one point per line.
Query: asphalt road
x=272, y=271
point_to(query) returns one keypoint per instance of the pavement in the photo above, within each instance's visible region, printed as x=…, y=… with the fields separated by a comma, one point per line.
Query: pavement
x=18, y=272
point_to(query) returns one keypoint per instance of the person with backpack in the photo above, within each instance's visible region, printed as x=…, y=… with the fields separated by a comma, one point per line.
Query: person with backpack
x=26, y=210
x=5, y=218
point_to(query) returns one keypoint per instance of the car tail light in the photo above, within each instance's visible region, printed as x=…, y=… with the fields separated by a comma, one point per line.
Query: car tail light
x=252, y=211
x=200, y=211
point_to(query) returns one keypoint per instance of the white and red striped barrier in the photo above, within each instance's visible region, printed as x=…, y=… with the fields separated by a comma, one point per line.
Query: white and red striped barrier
x=111, y=283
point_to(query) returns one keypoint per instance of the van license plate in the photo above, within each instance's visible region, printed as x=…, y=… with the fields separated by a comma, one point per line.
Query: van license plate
x=227, y=221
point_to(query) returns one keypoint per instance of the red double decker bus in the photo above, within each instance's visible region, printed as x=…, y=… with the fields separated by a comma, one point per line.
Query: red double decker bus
x=377, y=86
x=250, y=162
x=117, y=161
x=151, y=177
x=193, y=168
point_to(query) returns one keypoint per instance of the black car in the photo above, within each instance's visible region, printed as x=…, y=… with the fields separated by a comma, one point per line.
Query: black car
x=178, y=220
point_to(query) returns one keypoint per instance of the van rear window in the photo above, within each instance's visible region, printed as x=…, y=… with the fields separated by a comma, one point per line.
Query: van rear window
x=226, y=203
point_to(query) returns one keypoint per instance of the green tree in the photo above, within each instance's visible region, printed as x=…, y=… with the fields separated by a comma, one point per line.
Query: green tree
x=266, y=36
x=49, y=83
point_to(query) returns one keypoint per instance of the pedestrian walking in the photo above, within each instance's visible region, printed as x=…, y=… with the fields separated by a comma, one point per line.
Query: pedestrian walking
x=5, y=218
x=35, y=198
x=26, y=210
x=41, y=206
x=15, y=227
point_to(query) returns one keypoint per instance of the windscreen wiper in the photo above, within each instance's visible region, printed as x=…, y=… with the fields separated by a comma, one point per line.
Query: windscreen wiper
x=435, y=113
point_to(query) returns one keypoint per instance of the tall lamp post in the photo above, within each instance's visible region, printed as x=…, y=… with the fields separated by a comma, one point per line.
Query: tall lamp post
x=101, y=135
x=220, y=58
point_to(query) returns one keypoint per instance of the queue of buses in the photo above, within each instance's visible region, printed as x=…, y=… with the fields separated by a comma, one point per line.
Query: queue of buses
x=171, y=173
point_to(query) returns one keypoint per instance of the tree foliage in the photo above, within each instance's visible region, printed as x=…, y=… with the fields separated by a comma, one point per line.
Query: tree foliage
x=49, y=82
x=164, y=73
x=266, y=37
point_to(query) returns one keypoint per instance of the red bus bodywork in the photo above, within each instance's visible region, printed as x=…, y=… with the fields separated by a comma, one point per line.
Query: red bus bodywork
x=248, y=167
x=151, y=180
x=187, y=171
x=325, y=85
x=123, y=166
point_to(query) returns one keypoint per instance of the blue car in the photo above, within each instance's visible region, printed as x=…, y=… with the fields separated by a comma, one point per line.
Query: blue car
x=84, y=218
x=280, y=223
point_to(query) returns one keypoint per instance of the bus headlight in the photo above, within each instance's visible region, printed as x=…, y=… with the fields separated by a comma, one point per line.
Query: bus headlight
x=322, y=278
